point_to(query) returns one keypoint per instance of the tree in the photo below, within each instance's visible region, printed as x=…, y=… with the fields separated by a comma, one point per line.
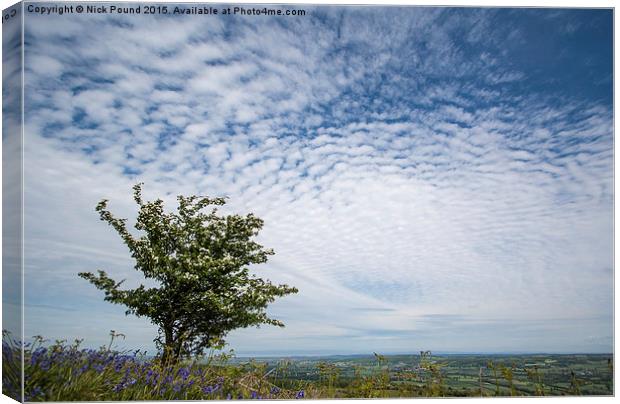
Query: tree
x=199, y=262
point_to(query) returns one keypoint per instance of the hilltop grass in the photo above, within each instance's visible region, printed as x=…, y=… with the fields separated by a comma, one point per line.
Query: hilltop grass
x=67, y=372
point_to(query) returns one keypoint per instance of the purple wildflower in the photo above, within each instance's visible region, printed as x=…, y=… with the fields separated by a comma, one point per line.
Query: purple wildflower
x=254, y=395
x=184, y=373
x=300, y=394
x=6, y=348
x=37, y=355
x=35, y=392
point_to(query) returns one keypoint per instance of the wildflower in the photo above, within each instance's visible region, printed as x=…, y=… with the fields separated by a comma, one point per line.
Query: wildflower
x=208, y=389
x=184, y=373
x=254, y=395
x=45, y=365
x=6, y=349
x=177, y=387
x=5, y=345
x=37, y=355
x=155, y=379
x=300, y=394
x=275, y=390
x=108, y=359
x=35, y=392
x=228, y=396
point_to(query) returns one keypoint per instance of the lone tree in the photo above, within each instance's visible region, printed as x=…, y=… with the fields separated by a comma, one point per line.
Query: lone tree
x=200, y=262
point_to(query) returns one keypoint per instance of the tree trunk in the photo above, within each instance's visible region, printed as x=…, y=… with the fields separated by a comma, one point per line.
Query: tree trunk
x=178, y=349
x=168, y=355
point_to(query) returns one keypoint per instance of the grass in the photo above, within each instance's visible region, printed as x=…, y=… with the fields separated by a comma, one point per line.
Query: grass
x=66, y=372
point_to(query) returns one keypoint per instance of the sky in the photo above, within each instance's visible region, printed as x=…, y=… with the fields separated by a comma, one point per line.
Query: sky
x=430, y=178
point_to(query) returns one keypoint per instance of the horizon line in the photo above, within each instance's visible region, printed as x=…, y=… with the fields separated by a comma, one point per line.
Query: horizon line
x=244, y=355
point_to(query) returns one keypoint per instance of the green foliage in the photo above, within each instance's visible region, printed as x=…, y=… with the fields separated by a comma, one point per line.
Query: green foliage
x=11, y=367
x=535, y=376
x=362, y=385
x=328, y=375
x=480, y=384
x=434, y=383
x=610, y=367
x=494, y=369
x=508, y=374
x=200, y=262
x=575, y=384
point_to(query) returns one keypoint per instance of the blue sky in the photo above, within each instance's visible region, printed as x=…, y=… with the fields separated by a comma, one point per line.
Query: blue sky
x=430, y=178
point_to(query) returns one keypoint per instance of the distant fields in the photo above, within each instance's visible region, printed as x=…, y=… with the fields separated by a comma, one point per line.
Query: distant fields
x=467, y=375
x=66, y=372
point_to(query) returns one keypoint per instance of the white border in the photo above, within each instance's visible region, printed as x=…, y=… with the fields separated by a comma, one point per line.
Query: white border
x=478, y=3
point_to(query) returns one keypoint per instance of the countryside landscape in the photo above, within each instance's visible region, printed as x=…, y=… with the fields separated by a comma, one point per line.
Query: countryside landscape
x=65, y=373
x=319, y=202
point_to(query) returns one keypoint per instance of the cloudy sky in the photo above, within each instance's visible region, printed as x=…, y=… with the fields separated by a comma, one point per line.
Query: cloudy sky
x=430, y=178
